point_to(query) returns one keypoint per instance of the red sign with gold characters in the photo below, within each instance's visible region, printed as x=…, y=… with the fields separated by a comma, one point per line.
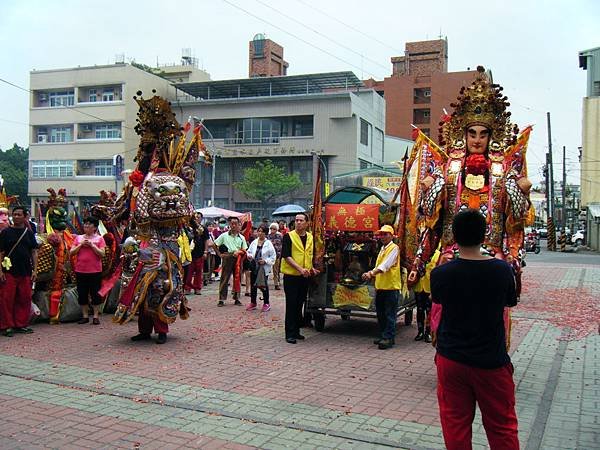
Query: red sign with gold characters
x=352, y=217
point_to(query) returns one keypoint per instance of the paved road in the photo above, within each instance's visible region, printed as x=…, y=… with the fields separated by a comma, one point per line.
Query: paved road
x=227, y=379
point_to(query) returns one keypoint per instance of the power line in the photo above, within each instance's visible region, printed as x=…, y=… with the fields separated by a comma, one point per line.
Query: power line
x=74, y=108
x=293, y=35
x=322, y=34
x=13, y=121
x=351, y=27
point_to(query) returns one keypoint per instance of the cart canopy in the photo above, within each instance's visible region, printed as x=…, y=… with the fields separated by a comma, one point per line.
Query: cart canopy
x=355, y=195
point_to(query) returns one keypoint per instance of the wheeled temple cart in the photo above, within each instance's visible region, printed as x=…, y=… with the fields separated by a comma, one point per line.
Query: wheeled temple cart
x=352, y=216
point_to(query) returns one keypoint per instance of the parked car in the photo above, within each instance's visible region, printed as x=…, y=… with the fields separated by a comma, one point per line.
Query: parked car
x=543, y=233
x=578, y=238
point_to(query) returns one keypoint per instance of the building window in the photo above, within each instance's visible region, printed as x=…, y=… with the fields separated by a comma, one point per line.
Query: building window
x=422, y=95
x=52, y=169
x=364, y=132
x=377, y=151
x=303, y=167
x=108, y=131
x=302, y=126
x=61, y=134
x=222, y=172
x=103, y=168
x=62, y=98
x=108, y=95
x=259, y=48
x=93, y=96
x=421, y=116
x=596, y=89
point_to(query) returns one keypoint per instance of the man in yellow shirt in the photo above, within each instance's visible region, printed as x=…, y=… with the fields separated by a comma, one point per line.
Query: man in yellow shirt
x=296, y=265
x=387, y=287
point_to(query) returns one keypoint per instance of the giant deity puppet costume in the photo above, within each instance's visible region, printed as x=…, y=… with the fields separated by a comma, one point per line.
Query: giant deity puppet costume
x=156, y=201
x=55, y=292
x=481, y=165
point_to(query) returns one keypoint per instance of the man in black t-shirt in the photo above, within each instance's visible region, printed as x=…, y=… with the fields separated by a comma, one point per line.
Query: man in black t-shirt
x=18, y=254
x=473, y=365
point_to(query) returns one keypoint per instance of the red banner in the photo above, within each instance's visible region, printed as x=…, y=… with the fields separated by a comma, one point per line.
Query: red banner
x=352, y=217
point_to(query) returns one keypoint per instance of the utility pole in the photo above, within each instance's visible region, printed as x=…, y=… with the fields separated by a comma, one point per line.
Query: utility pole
x=564, y=190
x=550, y=191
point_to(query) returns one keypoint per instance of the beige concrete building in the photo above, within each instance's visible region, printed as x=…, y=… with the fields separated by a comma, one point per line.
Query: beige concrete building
x=589, y=60
x=284, y=119
x=82, y=118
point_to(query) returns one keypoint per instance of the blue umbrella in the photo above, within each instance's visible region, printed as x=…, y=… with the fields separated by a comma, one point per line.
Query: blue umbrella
x=288, y=210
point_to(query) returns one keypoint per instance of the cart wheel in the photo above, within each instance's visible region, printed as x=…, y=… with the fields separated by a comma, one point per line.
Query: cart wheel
x=408, y=316
x=345, y=316
x=319, y=319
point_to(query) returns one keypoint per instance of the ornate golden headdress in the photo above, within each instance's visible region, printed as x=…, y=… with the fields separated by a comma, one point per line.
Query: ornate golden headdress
x=163, y=143
x=481, y=103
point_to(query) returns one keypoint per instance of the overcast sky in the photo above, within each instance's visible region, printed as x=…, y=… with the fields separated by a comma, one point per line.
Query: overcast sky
x=530, y=46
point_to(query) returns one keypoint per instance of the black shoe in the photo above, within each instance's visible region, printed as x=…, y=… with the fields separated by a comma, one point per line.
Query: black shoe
x=24, y=330
x=237, y=302
x=300, y=337
x=290, y=340
x=377, y=341
x=8, y=332
x=140, y=337
x=83, y=320
x=420, y=336
x=385, y=344
x=162, y=338
x=221, y=303
x=427, y=337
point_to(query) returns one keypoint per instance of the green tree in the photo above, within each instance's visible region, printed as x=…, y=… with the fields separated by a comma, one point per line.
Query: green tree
x=13, y=168
x=265, y=181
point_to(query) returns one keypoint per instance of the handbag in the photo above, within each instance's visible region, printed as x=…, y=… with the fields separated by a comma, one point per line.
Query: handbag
x=6, y=262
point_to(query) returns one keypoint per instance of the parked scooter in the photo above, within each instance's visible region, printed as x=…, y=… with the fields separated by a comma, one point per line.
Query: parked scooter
x=532, y=245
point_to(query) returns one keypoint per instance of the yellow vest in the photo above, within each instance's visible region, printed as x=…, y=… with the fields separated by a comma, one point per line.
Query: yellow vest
x=302, y=255
x=424, y=283
x=390, y=280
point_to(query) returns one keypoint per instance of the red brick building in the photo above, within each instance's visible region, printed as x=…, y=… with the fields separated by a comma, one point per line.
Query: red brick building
x=419, y=88
x=265, y=58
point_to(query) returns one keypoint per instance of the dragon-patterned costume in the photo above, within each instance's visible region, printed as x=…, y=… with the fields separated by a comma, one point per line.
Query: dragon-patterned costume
x=439, y=182
x=156, y=202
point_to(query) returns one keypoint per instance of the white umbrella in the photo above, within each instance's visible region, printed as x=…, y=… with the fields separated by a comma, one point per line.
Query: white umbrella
x=212, y=212
x=288, y=210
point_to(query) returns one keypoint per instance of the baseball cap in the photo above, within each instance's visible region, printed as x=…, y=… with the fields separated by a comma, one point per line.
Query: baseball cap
x=386, y=229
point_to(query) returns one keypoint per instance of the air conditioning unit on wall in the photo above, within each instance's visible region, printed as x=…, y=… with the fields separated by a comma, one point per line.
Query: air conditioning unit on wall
x=43, y=97
x=42, y=138
x=85, y=164
x=86, y=127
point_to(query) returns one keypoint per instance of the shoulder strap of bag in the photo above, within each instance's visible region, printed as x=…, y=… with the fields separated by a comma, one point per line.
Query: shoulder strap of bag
x=17, y=243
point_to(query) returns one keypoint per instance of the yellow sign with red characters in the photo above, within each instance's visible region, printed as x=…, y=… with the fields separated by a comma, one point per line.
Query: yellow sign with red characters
x=343, y=217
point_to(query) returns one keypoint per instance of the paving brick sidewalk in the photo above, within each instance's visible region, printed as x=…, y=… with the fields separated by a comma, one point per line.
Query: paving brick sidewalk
x=226, y=377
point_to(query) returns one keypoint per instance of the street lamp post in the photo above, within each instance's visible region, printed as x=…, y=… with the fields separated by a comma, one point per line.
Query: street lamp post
x=316, y=157
x=214, y=164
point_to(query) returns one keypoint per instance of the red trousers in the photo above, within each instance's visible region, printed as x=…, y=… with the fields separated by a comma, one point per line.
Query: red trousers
x=15, y=302
x=460, y=387
x=193, y=280
x=148, y=321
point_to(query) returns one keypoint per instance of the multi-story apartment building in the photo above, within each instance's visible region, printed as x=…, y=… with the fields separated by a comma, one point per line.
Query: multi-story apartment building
x=285, y=119
x=589, y=60
x=82, y=119
x=419, y=88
